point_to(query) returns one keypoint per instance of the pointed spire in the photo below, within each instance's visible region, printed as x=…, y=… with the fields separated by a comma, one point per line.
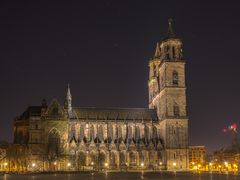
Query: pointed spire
x=69, y=92
x=170, y=32
x=69, y=102
x=157, y=51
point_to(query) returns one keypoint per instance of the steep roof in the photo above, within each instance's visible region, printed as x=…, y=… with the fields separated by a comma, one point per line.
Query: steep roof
x=114, y=114
x=31, y=111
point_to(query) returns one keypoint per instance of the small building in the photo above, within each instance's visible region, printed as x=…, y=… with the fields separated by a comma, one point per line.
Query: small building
x=3, y=152
x=197, y=154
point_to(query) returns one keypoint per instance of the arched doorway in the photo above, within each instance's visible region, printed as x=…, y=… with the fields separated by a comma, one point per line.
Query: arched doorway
x=122, y=158
x=102, y=159
x=133, y=158
x=113, y=159
x=53, y=147
x=82, y=160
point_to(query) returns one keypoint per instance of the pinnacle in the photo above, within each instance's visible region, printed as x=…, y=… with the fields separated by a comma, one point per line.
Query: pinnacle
x=170, y=32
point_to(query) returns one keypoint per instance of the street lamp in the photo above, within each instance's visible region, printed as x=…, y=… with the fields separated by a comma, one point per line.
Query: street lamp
x=106, y=164
x=55, y=163
x=174, y=164
x=33, y=164
x=68, y=164
x=142, y=164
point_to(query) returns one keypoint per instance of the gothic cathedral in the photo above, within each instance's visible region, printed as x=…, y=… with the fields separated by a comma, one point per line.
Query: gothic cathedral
x=54, y=137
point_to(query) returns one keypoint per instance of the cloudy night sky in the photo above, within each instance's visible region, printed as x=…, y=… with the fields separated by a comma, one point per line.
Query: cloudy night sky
x=102, y=49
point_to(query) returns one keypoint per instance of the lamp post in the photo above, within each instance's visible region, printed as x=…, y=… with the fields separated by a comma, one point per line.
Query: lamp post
x=106, y=165
x=92, y=164
x=142, y=166
x=68, y=165
x=160, y=165
x=174, y=165
x=33, y=166
x=210, y=167
x=5, y=166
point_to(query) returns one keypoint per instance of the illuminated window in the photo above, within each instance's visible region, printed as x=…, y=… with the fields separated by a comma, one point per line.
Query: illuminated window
x=176, y=109
x=53, y=143
x=175, y=78
x=173, y=52
x=100, y=133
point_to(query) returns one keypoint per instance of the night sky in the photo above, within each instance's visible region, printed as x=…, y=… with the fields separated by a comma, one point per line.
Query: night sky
x=102, y=49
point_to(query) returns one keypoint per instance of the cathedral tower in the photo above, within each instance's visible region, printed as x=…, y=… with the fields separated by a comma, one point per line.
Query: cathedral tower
x=167, y=94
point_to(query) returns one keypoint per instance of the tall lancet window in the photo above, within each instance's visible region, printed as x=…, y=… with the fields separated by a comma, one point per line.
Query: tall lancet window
x=146, y=132
x=155, y=134
x=119, y=132
x=100, y=133
x=175, y=78
x=81, y=134
x=110, y=132
x=73, y=131
x=173, y=52
x=129, y=131
x=92, y=135
x=176, y=109
x=137, y=133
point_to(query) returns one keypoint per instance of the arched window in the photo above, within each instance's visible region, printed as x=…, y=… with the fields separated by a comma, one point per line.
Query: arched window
x=175, y=78
x=110, y=132
x=100, y=132
x=53, y=143
x=81, y=134
x=137, y=133
x=173, y=52
x=92, y=135
x=176, y=109
x=155, y=134
x=73, y=130
x=55, y=111
x=129, y=131
x=146, y=133
x=119, y=132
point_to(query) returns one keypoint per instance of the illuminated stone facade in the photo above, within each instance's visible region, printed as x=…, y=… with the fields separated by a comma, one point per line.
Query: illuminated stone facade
x=72, y=138
x=197, y=155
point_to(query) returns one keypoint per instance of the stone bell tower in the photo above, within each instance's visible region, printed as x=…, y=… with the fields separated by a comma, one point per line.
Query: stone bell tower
x=167, y=94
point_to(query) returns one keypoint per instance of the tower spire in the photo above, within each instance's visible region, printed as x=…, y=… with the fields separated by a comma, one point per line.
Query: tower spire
x=170, y=32
x=69, y=101
x=69, y=92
